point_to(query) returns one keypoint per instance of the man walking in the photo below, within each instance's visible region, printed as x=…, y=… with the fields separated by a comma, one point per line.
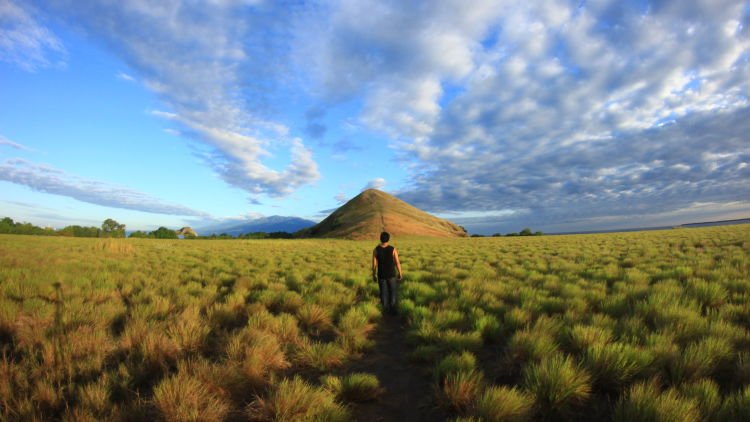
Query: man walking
x=385, y=263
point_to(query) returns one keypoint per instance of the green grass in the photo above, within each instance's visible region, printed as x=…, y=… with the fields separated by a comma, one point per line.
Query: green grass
x=651, y=325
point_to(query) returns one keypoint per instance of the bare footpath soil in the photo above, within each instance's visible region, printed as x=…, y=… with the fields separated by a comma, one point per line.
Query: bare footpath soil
x=408, y=389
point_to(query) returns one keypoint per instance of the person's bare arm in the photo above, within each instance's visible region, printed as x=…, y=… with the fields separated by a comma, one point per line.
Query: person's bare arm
x=398, y=263
x=374, y=265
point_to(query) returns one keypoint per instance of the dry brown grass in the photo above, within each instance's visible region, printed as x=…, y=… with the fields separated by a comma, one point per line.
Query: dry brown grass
x=183, y=398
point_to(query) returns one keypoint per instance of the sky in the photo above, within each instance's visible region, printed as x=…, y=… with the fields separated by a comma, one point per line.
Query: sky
x=498, y=115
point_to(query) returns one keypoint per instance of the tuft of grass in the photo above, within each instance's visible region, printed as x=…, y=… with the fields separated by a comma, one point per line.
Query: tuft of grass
x=645, y=402
x=709, y=295
x=314, y=318
x=95, y=397
x=614, y=365
x=705, y=392
x=699, y=359
x=189, y=332
x=257, y=354
x=360, y=387
x=455, y=362
x=454, y=340
x=527, y=345
x=558, y=385
x=321, y=356
x=736, y=407
x=460, y=390
x=489, y=326
x=500, y=403
x=580, y=337
x=331, y=383
x=354, y=329
x=184, y=398
x=296, y=400
x=742, y=370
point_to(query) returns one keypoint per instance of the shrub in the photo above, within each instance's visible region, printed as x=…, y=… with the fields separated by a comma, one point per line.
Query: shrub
x=558, y=385
x=295, y=400
x=500, y=403
x=644, y=402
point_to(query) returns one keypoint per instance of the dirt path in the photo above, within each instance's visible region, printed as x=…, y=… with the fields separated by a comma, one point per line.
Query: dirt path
x=408, y=394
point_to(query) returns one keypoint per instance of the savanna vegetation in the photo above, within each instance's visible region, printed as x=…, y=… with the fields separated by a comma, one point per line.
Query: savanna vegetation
x=650, y=326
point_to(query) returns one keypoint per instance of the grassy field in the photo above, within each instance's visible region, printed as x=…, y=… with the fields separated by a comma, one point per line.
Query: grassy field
x=651, y=326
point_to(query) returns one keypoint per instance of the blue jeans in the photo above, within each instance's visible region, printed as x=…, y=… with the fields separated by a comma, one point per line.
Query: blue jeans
x=388, y=293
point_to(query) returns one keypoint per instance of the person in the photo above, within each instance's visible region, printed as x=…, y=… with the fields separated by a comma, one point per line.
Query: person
x=385, y=265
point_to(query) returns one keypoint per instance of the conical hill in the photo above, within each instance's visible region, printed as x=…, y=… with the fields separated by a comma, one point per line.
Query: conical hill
x=374, y=211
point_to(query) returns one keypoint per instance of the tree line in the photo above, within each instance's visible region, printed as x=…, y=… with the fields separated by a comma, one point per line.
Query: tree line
x=525, y=232
x=111, y=228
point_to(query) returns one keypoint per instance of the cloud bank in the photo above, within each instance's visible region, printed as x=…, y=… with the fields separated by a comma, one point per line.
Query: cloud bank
x=215, y=66
x=42, y=178
x=542, y=110
x=551, y=109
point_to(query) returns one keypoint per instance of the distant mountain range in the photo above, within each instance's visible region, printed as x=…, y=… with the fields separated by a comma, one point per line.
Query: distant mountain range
x=274, y=223
x=373, y=211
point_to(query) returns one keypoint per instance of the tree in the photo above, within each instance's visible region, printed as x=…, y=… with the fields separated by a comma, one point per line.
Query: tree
x=78, y=231
x=163, y=233
x=525, y=232
x=139, y=234
x=111, y=228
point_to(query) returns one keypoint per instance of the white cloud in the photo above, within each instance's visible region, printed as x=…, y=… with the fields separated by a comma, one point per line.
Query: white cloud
x=125, y=77
x=377, y=183
x=15, y=145
x=214, y=66
x=341, y=197
x=507, y=105
x=43, y=178
x=27, y=43
x=597, y=109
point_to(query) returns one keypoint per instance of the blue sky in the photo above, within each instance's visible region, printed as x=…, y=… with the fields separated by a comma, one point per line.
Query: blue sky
x=498, y=115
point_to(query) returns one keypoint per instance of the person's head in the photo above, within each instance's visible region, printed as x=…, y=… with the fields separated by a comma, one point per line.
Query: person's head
x=384, y=237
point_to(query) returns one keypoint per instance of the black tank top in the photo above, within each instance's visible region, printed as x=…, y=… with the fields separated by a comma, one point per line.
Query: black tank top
x=386, y=266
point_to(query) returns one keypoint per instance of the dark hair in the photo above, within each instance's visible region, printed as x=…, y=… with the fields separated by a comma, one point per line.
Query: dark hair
x=384, y=237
